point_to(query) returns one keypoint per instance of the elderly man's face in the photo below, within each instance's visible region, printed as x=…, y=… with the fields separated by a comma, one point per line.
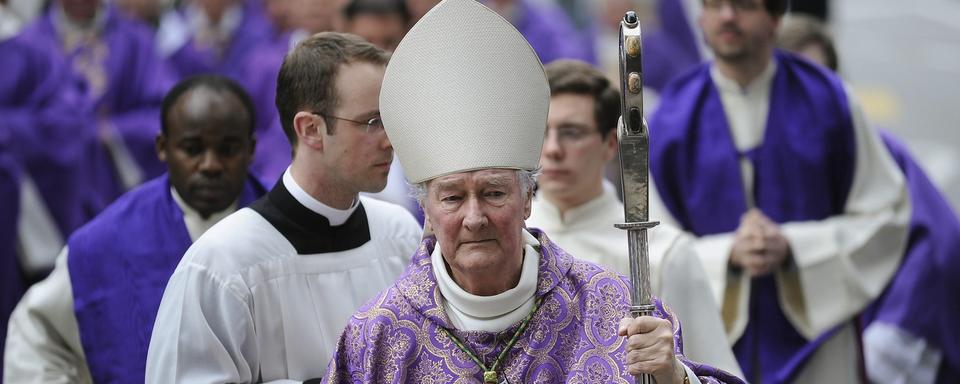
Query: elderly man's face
x=478, y=219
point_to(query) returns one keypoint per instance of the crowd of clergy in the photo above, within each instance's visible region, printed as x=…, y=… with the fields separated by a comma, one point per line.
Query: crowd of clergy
x=426, y=191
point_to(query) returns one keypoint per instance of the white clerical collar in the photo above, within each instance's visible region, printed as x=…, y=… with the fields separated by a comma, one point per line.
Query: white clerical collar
x=489, y=313
x=196, y=224
x=334, y=216
x=761, y=83
x=198, y=20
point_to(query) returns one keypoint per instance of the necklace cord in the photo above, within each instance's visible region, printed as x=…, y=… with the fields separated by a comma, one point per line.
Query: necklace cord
x=503, y=353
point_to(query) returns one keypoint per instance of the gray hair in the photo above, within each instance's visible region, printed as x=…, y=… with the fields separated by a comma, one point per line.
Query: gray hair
x=528, y=179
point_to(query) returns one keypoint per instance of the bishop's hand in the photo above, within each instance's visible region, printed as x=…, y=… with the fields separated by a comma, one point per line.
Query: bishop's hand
x=650, y=349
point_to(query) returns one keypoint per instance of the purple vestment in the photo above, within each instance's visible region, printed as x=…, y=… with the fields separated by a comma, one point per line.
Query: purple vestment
x=11, y=284
x=572, y=337
x=49, y=127
x=669, y=49
x=921, y=298
x=193, y=58
x=125, y=82
x=803, y=171
x=273, y=152
x=119, y=264
x=551, y=33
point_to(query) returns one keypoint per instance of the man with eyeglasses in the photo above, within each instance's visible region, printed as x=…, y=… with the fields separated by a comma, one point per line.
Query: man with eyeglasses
x=800, y=213
x=578, y=208
x=264, y=294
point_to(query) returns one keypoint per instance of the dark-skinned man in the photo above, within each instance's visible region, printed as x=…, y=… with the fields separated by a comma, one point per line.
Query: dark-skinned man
x=91, y=319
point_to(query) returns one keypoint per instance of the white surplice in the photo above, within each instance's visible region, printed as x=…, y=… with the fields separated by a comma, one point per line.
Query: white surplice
x=244, y=306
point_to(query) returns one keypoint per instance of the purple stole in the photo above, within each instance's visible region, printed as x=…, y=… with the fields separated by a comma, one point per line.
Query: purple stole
x=11, y=284
x=921, y=298
x=252, y=32
x=128, y=97
x=44, y=112
x=803, y=171
x=671, y=48
x=119, y=265
x=572, y=337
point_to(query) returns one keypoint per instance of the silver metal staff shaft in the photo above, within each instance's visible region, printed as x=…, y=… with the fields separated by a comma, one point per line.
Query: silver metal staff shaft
x=634, y=167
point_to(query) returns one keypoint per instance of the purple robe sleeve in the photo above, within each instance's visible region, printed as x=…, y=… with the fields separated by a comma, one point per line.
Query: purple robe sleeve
x=921, y=298
x=43, y=110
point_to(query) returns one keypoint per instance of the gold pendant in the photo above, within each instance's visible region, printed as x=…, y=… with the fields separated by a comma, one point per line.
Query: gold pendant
x=490, y=377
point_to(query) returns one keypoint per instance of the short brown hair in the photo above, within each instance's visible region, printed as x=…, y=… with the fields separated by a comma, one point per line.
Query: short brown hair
x=577, y=77
x=308, y=75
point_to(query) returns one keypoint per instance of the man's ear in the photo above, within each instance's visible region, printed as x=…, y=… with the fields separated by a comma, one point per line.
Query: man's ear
x=160, y=144
x=310, y=129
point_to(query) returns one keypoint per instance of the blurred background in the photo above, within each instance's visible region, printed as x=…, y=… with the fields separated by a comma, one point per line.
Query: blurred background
x=903, y=60
x=116, y=58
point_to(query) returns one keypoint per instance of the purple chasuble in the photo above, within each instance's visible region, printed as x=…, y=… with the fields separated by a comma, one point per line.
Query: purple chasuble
x=921, y=298
x=670, y=48
x=195, y=59
x=119, y=265
x=572, y=337
x=11, y=284
x=44, y=113
x=803, y=170
x=125, y=81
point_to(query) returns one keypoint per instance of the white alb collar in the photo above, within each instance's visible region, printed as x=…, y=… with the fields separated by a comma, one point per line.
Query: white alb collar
x=729, y=85
x=196, y=224
x=334, y=216
x=482, y=307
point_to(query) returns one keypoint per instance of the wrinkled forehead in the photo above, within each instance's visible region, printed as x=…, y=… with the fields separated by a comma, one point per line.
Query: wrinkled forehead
x=479, y=178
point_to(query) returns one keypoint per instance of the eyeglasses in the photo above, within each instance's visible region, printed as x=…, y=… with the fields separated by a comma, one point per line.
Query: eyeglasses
x=569, y=134
x=374, y=125
x=736, y=5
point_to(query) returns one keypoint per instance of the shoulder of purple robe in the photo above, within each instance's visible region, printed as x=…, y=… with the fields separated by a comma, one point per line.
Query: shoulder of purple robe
x=551, y=33
x=140, y=238
x=927, y=276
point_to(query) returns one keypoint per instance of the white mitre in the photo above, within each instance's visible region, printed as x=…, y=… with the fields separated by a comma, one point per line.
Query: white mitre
x=464, y=91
